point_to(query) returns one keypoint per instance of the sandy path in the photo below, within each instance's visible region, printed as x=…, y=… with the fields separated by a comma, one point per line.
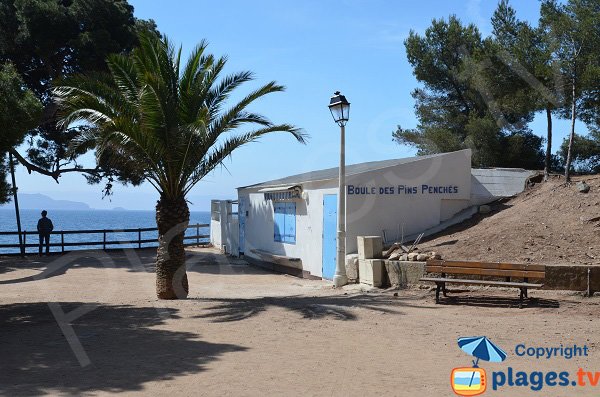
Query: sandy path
x=245, y=332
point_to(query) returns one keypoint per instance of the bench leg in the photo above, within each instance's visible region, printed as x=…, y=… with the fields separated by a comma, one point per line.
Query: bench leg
x=438, y=287
x=444, y=290
x=521, y=297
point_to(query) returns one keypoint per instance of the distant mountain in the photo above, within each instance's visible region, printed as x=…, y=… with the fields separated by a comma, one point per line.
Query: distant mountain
x=119, y=209
x=42, y=202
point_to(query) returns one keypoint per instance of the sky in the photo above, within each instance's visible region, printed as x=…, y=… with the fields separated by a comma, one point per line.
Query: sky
x=313, y=48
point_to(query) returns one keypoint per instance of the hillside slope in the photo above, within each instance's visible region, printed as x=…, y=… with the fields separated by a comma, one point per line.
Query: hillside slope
x=550, y=223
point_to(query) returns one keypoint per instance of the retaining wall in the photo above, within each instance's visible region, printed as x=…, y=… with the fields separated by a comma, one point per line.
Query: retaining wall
x=558, y=277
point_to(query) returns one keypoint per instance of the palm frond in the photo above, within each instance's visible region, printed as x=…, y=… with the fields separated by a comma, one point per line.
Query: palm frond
x=215, y=156
x=124, y=75
x=164, y=121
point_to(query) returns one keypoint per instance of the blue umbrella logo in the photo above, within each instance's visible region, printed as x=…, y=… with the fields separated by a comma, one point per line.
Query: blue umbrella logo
x=481, y=348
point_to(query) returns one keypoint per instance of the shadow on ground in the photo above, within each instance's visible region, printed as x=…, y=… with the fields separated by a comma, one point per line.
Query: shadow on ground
x=496, y=301
x=134, y=260
x=340, y=307
x=125, y=352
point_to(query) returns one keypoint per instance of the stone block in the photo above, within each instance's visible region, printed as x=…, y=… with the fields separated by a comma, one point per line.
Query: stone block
x=485, y=209
x=370, y=247
x=371, y=271
x=394, y=273
x=594, y=286
x=566, y=277
x=352, y=268
x=573, y=277
x=404, y=273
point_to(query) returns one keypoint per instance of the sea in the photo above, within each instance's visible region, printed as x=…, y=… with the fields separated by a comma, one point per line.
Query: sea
x=65, y=220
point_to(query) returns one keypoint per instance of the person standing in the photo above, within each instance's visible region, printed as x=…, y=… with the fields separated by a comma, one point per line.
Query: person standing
x=45, y=227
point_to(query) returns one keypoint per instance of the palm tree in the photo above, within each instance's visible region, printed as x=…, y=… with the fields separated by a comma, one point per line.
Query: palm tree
x=170, y=125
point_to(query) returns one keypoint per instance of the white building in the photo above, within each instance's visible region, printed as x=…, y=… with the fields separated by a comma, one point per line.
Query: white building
x=289, y=224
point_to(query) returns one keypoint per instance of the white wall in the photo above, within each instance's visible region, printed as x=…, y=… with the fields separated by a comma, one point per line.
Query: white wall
x=450, y=207
x=369, y=214
x=224, y=228
x=492, y=184
x=216, y=239
x=309, y=226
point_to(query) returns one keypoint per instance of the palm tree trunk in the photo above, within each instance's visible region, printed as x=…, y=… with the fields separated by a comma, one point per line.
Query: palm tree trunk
x=548, y=144
x=172, y=219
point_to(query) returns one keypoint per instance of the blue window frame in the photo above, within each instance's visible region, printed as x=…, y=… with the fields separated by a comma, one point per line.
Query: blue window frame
x=285, y=222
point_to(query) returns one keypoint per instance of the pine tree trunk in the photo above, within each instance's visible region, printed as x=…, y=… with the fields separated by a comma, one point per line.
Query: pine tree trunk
x=548, y=144
x=16, y=200
x=172, y=219
x=571, y=137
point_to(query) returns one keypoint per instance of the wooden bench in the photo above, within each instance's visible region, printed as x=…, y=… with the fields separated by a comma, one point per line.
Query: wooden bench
x=463, y=272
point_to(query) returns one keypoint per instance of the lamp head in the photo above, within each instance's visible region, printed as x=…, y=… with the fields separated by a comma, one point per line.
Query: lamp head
x=339, y=108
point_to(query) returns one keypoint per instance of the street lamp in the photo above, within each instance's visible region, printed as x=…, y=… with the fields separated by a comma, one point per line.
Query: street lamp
x=340, y=110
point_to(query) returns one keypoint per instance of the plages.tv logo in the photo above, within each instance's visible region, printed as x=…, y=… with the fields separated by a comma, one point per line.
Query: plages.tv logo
x=472, y=381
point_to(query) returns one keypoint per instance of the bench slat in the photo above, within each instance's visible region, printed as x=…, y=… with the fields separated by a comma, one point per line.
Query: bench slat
x=487, y=272
x=487, y=265
x=481, y=282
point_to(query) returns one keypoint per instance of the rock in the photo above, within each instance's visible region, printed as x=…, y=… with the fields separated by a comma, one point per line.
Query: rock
x=583, y=187
x=485, y=209
x=395, y=255
x=404, y=257
x=422, y=257
x=412, y=256
x=434, y=255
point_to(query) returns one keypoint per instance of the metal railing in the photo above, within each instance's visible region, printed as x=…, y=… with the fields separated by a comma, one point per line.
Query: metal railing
x=106, y=243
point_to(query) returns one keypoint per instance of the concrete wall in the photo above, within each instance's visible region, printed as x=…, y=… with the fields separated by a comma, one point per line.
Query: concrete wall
x=450, y=207
x=585, y=279
x=224, y=228
x=232, y=232
x=216, y=235
x=558, y=277
x=491, y=184
x=575, y=278
x=369, y=214
x=216, y=238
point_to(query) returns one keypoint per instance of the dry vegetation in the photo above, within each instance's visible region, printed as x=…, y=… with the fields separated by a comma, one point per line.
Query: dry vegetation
x=550, y=223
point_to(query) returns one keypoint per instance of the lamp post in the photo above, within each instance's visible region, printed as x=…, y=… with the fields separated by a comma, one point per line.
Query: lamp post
x=340, y=110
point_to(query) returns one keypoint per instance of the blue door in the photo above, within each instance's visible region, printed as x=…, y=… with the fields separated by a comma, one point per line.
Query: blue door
x=242, y=224
x=329, y=235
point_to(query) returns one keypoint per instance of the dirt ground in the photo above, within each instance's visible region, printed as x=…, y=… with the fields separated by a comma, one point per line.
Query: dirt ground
x=89, y=324
x=551, y=223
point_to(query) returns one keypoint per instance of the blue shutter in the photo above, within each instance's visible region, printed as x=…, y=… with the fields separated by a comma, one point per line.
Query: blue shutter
x=290, y=223
x=279, y=221
x=284, y=220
